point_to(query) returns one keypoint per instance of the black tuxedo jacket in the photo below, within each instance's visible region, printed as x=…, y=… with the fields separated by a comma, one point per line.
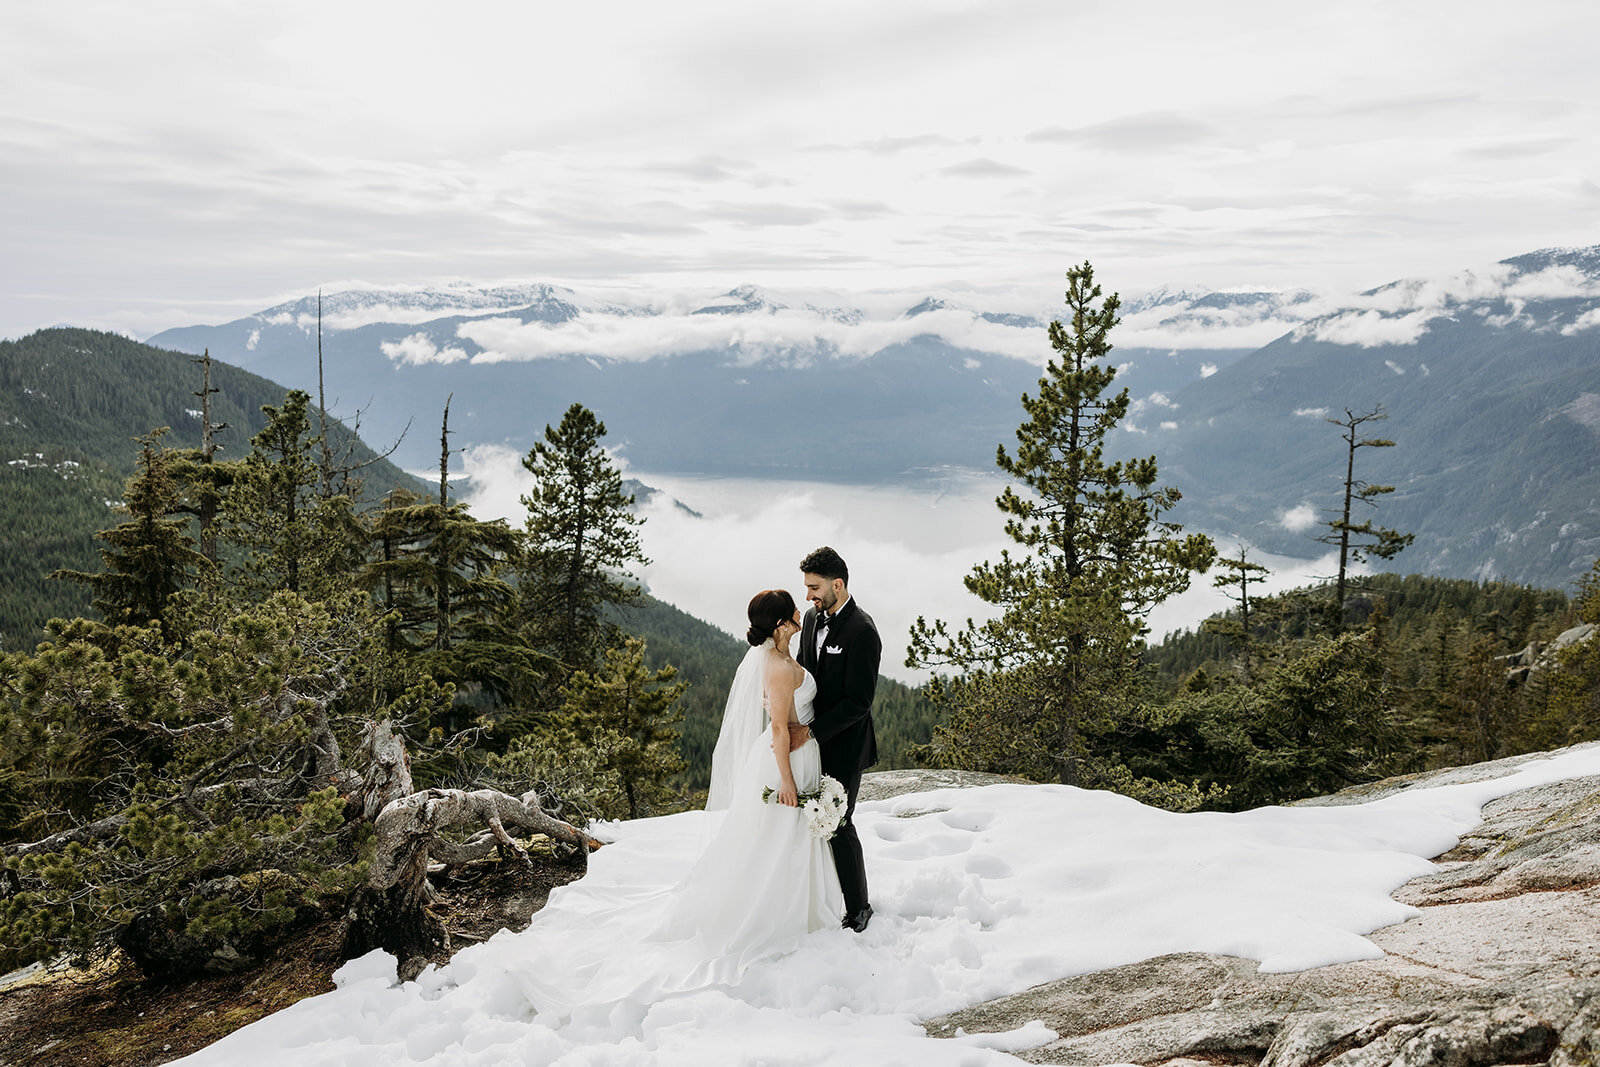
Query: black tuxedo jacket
x=846, y=671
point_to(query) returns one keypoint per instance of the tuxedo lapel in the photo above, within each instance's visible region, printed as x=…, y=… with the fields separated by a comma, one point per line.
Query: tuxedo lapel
x=829, y=669
x=808, y=641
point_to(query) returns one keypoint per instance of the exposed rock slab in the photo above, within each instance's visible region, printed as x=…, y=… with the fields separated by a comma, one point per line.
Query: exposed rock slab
x=1501, y=967
x=882, y=785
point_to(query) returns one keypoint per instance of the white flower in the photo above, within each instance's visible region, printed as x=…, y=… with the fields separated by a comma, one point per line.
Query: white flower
x=822, y=810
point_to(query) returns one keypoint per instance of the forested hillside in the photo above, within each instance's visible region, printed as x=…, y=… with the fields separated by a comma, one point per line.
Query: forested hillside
x=1418, y=611
x=71, y=401
x=1450, y=671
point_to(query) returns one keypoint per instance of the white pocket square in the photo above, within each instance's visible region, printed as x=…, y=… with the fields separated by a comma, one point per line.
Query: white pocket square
x=833, y=650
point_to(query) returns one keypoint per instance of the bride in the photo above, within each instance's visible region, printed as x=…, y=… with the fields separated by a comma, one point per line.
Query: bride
x=762, y=882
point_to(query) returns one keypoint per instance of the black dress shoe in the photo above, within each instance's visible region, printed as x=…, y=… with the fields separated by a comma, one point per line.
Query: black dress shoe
x=858, y=921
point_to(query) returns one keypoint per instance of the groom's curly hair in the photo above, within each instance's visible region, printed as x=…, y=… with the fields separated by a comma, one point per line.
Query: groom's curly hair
x=826, y=563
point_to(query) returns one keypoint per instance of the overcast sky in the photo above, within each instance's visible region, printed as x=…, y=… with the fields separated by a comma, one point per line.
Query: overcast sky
x=166, y=164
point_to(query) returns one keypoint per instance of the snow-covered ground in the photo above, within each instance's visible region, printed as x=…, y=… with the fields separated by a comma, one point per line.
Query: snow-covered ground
x=979, y=893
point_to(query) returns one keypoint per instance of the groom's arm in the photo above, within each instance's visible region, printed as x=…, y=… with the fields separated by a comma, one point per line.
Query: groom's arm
x=862, y=654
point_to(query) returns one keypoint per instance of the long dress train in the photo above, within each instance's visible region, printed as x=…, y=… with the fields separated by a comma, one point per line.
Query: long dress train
x=761, y=884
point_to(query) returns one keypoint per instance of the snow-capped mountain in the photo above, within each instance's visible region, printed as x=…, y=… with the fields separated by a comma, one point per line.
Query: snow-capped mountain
x=1491, y=381
x=1491, y=378
x=930, y=383
x=348, y=308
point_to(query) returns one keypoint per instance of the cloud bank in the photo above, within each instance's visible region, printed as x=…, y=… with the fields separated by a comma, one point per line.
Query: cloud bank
x=1400, y=314
x=908, y=549
x=757, y=335
x=521, y=322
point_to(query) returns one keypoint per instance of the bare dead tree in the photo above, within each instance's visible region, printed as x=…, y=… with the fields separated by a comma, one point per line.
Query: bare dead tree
x=322, y=411
x=206, y=506
x=342, y=467
x=442, y=558
x=444, y=455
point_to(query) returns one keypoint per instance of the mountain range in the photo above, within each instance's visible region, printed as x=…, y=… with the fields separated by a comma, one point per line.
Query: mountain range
x=699, y=387
x=1491, y=384
x=1490, y=380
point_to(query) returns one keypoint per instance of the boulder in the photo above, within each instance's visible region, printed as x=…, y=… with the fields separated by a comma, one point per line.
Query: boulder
x=1501, y=967
x=1536, y=656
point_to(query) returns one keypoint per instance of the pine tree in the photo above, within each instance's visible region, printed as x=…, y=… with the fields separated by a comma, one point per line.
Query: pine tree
x=1240, y=574
x=582, y=540
x=292, y=539
x=149, y=557
x=1357, y=541
x=638, y=709
x=196, y=793
x=1318, y=719
x=1566, y=710
x=437, y=576
x=1057, y=661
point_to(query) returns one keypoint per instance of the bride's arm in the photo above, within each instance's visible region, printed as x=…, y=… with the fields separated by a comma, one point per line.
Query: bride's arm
x=780, y=706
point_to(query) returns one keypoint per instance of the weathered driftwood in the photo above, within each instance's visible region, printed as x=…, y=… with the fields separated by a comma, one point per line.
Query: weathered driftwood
x=388, y=776
x=390, y=912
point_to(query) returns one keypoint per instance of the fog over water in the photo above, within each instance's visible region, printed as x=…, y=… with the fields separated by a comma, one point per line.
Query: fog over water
x=908, y=547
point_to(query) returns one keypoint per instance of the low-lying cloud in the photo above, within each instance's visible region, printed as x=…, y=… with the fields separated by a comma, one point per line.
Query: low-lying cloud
x=1298, y=518
x=1194, y=323
x=419, y=348
x=1400, y=314
x=908, y=549
x=758, y=329
x=757, y=335
x=1587, y=321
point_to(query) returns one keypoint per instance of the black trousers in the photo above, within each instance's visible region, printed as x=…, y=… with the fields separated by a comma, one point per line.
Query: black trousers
x=847, y=858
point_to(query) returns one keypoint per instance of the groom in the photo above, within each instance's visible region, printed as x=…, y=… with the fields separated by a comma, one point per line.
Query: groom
x=839, y=645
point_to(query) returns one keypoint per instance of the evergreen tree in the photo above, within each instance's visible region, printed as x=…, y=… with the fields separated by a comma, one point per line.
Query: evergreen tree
x=1057, y=662
x=203, y=784
x=582, y=540
x=149, y=557
x=291, y=538
x=1357, y=541
x=1566, y=708
x=1317, y=721
x=638, y=709
x=436, y=573
x=1238, y=574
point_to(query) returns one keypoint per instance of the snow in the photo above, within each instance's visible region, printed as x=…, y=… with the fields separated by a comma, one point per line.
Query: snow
x=978, y=893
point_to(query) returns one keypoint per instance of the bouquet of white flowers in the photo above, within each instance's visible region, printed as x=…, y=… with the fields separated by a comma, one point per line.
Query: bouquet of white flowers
x=823, y=810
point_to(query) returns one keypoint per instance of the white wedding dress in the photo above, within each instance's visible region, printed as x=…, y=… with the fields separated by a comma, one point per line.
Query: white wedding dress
x=761, y=884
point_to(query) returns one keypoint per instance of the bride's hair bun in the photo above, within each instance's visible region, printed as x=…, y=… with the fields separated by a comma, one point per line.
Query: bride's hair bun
x=767, y=609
